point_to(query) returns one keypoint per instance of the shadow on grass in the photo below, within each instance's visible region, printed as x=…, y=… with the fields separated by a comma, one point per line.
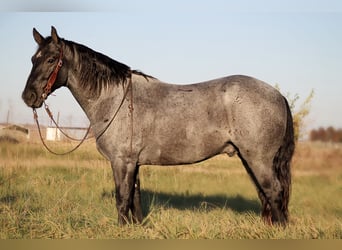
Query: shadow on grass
x=198, y=202
x=184, y=201
x=8, y=199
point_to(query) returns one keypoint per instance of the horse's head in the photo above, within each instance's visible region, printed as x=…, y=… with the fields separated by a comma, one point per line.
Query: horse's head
x=47, y=73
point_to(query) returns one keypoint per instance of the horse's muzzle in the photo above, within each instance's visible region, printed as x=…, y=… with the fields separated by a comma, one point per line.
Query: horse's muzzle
x=31, y=99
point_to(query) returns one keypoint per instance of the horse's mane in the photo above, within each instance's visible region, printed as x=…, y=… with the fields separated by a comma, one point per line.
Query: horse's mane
x=98, y=71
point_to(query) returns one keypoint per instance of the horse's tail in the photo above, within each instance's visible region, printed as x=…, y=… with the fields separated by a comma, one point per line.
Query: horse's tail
x=282, y=162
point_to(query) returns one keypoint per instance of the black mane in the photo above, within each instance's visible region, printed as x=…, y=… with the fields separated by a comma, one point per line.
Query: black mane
x=98, y=70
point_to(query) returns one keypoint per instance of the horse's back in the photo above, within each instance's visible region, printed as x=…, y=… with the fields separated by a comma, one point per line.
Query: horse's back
x=186, y=123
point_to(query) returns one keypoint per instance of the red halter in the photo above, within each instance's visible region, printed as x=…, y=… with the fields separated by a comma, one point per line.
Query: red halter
x=53, y=76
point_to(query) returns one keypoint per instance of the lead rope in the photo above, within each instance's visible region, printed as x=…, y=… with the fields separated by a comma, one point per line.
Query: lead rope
x=48, y=111
x=129, y=87
x=131, y=109
x=35, y=115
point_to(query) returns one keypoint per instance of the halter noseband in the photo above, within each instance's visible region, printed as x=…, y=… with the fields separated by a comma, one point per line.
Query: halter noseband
x=53, y=76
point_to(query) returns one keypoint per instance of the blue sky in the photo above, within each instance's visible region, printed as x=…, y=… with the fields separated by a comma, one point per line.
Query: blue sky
x=296, y=45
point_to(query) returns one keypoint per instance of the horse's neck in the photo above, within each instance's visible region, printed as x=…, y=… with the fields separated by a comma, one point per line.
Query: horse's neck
x=99, y=108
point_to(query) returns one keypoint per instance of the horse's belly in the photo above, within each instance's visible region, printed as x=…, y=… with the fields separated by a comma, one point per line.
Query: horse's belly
x=183, y=147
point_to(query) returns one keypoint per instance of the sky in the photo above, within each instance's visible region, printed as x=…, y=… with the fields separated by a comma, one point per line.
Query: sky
x=294, y=44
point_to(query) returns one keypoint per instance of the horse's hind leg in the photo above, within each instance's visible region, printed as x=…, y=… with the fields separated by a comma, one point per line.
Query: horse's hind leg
x=269, y=188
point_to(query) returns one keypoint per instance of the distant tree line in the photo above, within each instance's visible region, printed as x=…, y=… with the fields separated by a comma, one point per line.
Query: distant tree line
x=329, y=134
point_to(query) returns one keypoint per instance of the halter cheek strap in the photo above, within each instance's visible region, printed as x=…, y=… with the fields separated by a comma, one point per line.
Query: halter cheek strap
x=53, y=76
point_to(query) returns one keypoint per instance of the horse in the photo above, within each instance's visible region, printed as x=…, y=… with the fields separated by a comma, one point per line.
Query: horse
x=139, y=120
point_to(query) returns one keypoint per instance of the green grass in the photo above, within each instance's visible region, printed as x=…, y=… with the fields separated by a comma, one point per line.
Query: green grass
x=46, y=196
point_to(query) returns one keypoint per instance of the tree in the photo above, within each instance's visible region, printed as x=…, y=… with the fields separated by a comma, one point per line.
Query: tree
x=329, y=134
x=300, y=113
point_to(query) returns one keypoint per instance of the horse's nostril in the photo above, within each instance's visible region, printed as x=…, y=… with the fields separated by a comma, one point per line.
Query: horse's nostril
x=29, y=97
x=33, y=97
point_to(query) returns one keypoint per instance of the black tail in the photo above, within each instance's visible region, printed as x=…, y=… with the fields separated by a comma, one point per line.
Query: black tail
x=282, y=163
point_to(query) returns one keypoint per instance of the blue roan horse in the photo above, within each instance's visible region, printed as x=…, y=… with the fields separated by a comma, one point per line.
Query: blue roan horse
x=140, y=120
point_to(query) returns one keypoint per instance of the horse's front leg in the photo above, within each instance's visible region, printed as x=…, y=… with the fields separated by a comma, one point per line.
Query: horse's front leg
x=124, y=172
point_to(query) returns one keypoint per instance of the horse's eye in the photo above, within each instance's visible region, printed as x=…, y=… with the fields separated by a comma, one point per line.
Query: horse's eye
x=51, y=60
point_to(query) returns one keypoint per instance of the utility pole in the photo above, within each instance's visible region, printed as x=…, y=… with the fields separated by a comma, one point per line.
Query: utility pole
x=57, y=125
x=8, y=116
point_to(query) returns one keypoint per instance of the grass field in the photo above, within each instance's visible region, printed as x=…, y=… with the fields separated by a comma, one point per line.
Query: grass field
x=47, y=196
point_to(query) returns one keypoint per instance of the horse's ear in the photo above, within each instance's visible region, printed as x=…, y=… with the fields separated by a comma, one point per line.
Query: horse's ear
x=54, y=35
x=38, y=37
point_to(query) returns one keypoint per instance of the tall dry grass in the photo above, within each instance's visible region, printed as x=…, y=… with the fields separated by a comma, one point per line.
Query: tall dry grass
x=47, y=196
